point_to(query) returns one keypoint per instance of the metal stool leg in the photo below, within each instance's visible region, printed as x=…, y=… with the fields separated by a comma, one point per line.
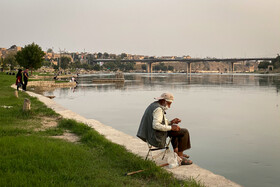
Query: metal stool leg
x=148, y=151
x=166, y=148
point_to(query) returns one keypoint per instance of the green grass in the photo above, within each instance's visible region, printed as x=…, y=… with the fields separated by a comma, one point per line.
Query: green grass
x=30, y=157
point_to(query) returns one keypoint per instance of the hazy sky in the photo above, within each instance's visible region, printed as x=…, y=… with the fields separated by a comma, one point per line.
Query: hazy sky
x=199, y=28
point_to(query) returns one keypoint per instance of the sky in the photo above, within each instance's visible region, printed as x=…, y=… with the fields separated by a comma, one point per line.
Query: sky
x=199, y=28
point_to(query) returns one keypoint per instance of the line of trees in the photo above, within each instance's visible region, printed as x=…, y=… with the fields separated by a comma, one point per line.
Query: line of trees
x=65, y=63
x=275, y=63
x=9, y=59
x=159, y=67
x=118, y=65
x=162, y=67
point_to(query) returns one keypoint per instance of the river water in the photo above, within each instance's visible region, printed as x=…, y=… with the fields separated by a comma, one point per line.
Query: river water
x=233, y=119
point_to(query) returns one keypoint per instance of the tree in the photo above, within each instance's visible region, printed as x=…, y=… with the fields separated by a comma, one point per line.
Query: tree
x=276, y=62
x=49, y=50
x=3, y=65
x=144, y=67
x=156, y=67
x=97, y=67
x=123, y=55
x=110, y=66
x=164, y=68
x=86, y=66
x=11, y=59
x=64, y=62
x=75, y=56
x=123, y=66
x=90, y=58
x=99, y=55
x=106, y=55
x=129, y=66
x=47, y=63
x=75, y=65
x=55, y=67
x=263, y=65
x=13, y=47
x=170, y=68
x=31, y=56
x=161, y=67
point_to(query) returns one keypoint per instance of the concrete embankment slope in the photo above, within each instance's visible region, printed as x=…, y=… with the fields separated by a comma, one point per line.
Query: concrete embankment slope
x=139, y=147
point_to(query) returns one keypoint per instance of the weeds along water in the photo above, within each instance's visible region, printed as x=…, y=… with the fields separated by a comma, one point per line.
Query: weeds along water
x=30, y=157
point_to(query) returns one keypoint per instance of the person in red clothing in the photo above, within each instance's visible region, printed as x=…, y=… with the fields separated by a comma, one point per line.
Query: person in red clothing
x=19, y=82
x=25, y=79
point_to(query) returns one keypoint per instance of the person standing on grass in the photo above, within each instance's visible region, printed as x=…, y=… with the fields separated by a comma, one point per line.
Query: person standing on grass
x=19, y=82
x=25, y=78
x=154, y=128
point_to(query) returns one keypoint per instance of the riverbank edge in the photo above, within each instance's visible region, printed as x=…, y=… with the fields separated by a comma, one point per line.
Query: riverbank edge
x=137, y=146
x=51, y=84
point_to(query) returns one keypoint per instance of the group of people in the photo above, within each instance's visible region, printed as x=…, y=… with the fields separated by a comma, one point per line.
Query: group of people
x=21, y=76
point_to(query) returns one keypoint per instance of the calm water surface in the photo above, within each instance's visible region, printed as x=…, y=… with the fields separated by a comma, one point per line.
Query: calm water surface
x=233, y=119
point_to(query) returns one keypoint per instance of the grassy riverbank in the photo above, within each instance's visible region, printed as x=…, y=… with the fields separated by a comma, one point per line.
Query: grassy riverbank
x=29, y=156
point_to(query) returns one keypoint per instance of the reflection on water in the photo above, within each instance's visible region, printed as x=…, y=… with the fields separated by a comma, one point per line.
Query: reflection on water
x=233, y=119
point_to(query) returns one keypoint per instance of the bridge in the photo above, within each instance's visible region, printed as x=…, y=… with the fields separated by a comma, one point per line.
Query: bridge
x=188, y=61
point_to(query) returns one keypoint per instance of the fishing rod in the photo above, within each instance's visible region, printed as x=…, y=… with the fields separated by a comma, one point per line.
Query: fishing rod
x=134, y=172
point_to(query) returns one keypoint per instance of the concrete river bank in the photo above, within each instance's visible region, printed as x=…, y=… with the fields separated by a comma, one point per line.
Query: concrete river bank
x=233, y=119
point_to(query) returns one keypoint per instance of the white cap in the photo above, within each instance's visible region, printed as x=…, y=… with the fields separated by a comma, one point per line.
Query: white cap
x=166, y=96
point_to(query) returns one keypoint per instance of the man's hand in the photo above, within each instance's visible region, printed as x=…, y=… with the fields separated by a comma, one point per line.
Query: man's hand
x=175, y=121
x=175, y=128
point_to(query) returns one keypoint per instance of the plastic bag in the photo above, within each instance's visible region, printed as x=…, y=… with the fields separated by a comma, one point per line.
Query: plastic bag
x=173, y=160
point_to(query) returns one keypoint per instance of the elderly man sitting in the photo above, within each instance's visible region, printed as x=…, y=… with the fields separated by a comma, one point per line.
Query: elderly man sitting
x=154, y=128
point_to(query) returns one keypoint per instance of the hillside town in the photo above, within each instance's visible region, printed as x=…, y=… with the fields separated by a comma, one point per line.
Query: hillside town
x=86, y=62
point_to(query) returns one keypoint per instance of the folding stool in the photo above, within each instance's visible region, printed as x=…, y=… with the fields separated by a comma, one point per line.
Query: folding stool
x=151, y=149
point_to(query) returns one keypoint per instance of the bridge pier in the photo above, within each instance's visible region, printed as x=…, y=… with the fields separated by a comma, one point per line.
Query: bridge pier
x=189, y=67
x=149, y=67
x=232, y=66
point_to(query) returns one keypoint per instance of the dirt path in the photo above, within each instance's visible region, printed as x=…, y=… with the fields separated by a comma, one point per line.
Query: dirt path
x=48, y=123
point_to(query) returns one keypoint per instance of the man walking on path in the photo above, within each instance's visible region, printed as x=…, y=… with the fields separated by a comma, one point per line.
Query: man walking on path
x=154, y=128
x=25, y=79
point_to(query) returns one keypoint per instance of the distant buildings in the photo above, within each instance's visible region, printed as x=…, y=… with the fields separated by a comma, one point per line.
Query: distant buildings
x=12, y=49
x=85, y=57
